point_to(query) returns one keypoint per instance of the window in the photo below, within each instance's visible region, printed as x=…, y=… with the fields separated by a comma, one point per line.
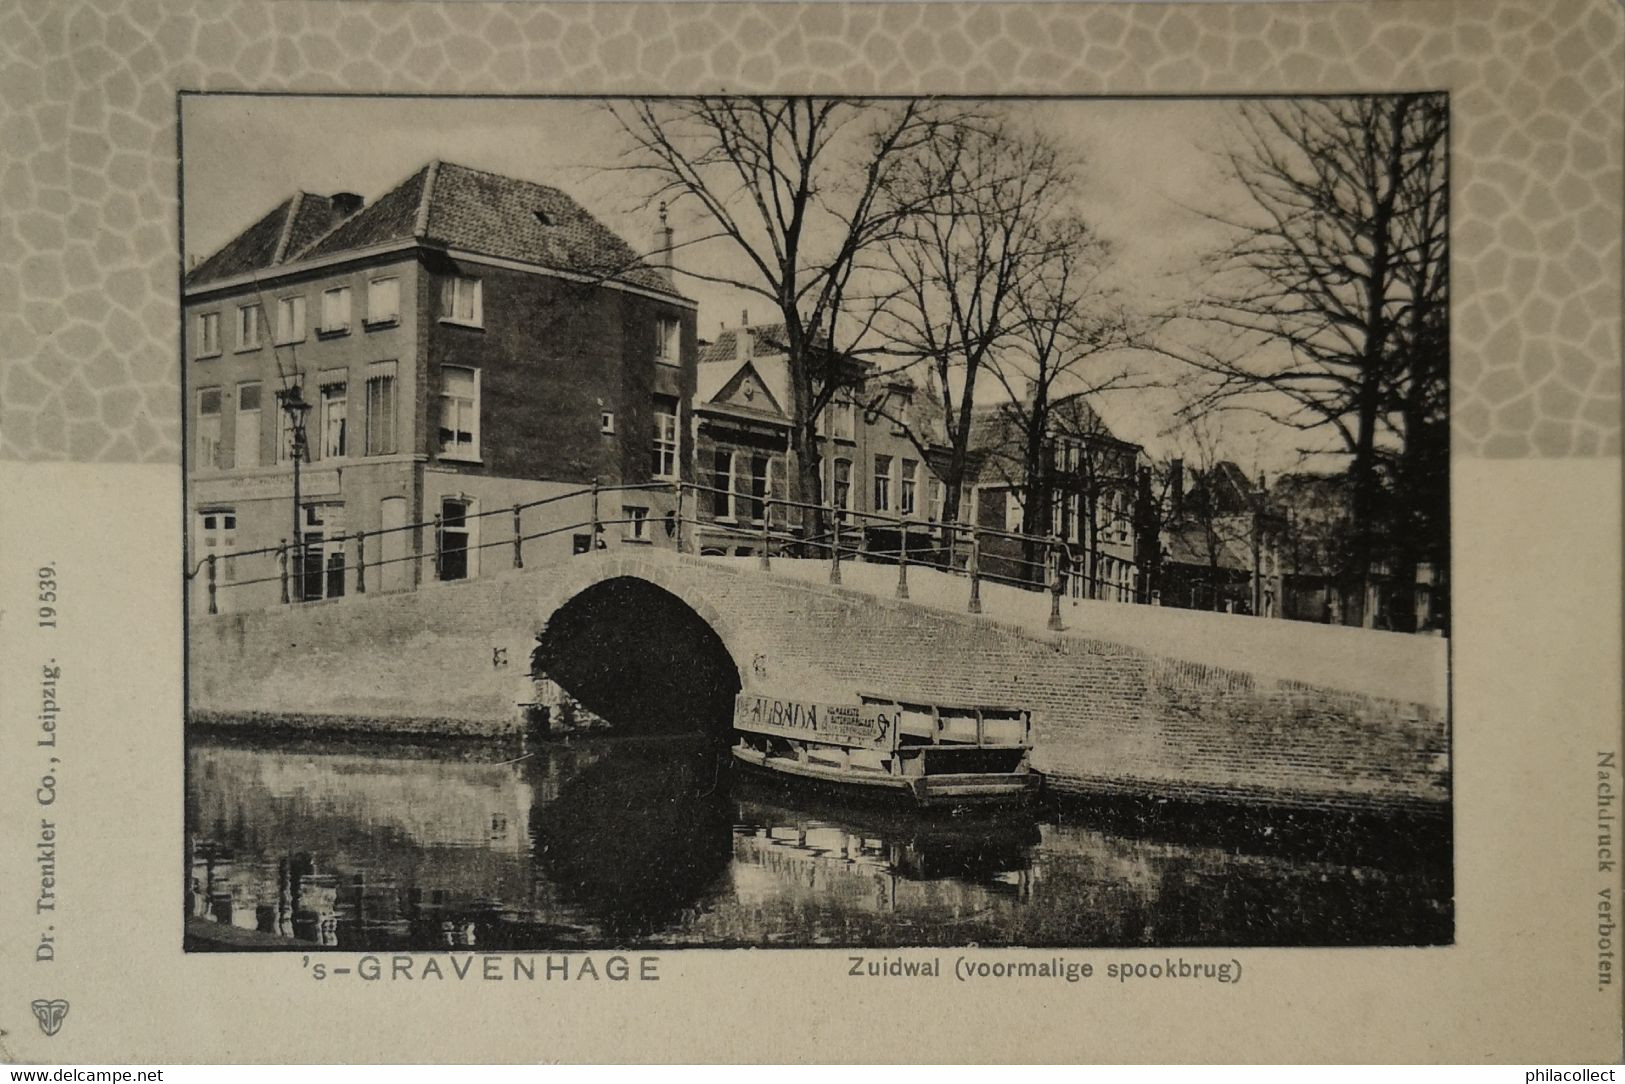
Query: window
x=334, y=441
x=208, y=429
x=380, y=408
x=1012, y=511
x=666, y=442
x=290, y=320
x=761, y=481
x=248, y=426
x=897, y=407
x=454, y=538
x=668, y=341
x=383, y=301
x=217, y=537
x=606, y=422
x=249, y=319
x=937, y=498
x=838, y=419
x=722, y=484
x=285, y=435
x=208, y=334
x=1111, y=517
x=335, y=310
x=636, y=523
x=459, y=412
x=460, y=301
x=910, y=487
x=320, y=572
x=883, y=483
x=843, y=485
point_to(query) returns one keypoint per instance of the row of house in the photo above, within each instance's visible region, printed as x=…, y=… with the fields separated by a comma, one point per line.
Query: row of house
x=424, y=368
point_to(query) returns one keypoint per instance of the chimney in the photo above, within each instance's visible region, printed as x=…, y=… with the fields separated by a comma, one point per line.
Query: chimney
x=744, y=342
x=1176, y=488
x=660, y=250
x=344, y=205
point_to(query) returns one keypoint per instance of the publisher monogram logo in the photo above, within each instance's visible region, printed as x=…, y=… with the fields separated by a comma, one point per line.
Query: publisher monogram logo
x=50, y=1015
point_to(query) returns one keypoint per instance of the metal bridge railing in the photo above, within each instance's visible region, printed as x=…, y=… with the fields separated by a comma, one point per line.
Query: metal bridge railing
x=785, y=528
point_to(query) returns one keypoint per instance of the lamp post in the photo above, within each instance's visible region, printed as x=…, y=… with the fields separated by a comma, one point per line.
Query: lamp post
x=294, y=405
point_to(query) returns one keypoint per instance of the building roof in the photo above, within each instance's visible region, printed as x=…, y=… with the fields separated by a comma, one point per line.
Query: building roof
x=277, y=238
x=718, y=384
x=1188, y=543
x=996, y=430
x=1317, y=508
x=1231, y=489
x=765, y=339
x=448, y=205
x=720, y=363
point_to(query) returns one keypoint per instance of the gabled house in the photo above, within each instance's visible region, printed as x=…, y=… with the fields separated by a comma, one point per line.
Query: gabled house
x=873, y=473
x=465, y=343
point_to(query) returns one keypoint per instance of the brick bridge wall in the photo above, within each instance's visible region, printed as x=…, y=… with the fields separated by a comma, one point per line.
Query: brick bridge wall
x=1109, y=717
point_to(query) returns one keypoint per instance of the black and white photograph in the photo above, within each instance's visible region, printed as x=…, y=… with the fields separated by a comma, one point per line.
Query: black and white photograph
x=816, y=522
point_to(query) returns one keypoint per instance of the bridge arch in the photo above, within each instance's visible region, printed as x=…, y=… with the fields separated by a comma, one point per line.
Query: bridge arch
x=640, y=648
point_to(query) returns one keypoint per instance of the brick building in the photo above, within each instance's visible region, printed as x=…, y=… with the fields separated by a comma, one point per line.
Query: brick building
x=465, y=343
x=872, y=470
x=1084, y=494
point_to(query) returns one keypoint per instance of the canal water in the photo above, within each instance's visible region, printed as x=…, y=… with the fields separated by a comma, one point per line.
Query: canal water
x=623, y=842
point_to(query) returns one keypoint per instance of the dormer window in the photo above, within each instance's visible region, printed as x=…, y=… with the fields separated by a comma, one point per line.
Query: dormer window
x=542, y=217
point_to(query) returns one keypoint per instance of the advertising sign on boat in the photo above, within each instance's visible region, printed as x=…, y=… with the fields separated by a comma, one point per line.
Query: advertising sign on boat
x=835, y=724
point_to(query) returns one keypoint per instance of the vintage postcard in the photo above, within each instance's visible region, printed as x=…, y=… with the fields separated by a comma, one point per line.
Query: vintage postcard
x=548, y=532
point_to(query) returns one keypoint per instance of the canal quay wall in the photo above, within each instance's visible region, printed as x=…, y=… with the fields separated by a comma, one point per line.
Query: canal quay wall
x=1127, y=700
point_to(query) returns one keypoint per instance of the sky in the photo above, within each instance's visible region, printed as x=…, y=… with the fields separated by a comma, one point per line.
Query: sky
x=1146, y=165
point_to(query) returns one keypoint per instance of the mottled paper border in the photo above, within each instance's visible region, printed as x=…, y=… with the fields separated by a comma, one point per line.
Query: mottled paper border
x=88, y=295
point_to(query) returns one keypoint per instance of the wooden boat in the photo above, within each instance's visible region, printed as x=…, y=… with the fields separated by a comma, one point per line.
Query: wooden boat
x=931, y=754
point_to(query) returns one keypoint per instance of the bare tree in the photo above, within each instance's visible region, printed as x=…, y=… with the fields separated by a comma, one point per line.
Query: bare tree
x=979, y=201
x=1215, y=516
x=804, y=189
x=1069, y=337
x=1340, y=238
x=1420, y=394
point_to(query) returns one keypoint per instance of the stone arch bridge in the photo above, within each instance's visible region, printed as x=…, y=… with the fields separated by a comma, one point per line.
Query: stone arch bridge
x=1126, y=699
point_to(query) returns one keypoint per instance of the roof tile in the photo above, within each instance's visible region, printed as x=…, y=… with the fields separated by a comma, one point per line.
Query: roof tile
x=494, y=215
x=451, y=205
x=252, y=250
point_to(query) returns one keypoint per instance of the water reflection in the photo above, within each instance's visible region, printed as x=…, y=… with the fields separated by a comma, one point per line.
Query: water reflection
x=616, y=842
x=639, y=837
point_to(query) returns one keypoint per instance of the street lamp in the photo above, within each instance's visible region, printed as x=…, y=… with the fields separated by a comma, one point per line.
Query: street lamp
x=294, y=405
